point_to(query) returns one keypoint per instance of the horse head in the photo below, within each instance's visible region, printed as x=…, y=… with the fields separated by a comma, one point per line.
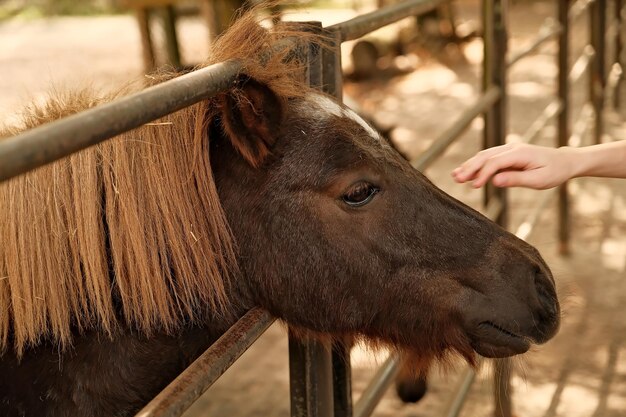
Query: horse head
x=338, y=234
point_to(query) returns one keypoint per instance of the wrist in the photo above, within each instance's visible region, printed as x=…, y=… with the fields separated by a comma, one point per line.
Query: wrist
x=574, y=162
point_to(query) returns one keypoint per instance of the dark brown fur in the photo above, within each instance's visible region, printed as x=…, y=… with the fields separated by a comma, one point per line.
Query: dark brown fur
x=243, y=197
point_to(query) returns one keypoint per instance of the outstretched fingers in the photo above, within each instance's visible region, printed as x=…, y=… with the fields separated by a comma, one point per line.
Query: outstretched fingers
x=470, y=168
x=485, y=165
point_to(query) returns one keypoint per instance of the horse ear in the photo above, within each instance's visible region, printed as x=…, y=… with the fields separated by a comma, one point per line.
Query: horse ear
x=251, y=117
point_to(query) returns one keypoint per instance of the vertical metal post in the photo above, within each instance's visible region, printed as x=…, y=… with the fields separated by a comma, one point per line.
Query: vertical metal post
x=332, y=76
x=332, y=83
x=342, y=381
x=597, y=73
x=143, y=19
x=171, y=40
x=618, y=52
x=495, y=37
x=603, y=7
x=563, y=121
x=487, y=80
x=310, y=378
x=494, y=73
x=311, y=361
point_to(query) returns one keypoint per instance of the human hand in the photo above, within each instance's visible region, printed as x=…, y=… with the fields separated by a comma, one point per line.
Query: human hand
x=518, y=165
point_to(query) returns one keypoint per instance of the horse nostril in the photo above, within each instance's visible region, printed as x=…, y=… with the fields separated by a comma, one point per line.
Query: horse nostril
x=546, y=295
x=547, y=314
x=547, y=301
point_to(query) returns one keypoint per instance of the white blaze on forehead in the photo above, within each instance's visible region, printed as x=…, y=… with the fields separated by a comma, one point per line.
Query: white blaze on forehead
x=328, y=106
x=352, y=115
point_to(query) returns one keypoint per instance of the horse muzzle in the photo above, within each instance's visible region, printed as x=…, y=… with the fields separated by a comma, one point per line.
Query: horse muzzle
x=507, y=322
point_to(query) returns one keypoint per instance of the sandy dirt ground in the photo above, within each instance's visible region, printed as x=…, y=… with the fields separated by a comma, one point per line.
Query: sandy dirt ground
x=582, y=372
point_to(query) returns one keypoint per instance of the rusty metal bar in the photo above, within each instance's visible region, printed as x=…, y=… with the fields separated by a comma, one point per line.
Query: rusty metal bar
x=549, y=30
x=460, y=393
x=377, y=387
x=553, y=109
x=563, y=80
x=204, y=371
x=369, y=22
x=439, y=146
x=55, y=140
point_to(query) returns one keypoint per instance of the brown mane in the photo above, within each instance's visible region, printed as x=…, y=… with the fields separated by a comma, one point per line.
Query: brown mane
x=130, y=231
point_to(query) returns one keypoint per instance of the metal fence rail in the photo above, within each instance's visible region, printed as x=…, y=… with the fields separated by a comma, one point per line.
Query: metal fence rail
x=181, y=393
x=319, y=373
x=52, y=141
x=369, y=22
x=447, y=138
x=378, y=385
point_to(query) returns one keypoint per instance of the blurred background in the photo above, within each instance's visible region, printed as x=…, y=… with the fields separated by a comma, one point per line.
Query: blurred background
x=411, y=79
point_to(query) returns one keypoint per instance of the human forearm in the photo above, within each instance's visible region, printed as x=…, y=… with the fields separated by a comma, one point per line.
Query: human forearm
x=522, y=165
x=604, y=160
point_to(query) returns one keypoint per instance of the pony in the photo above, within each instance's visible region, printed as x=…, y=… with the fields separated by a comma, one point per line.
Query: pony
x=120, y=264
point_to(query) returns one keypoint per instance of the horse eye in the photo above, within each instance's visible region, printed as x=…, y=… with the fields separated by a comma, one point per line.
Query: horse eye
x=360, y=194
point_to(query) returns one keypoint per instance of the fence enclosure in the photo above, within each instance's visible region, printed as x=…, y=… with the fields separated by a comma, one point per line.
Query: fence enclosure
x=320, y=374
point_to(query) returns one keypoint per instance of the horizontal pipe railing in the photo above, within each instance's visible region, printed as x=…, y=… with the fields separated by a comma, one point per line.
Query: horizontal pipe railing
x=181, y=393
x=377, y=387
x=551, y=111
x=448, y=137
x=369, y=22
x=548, y=31
x=55, y=140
